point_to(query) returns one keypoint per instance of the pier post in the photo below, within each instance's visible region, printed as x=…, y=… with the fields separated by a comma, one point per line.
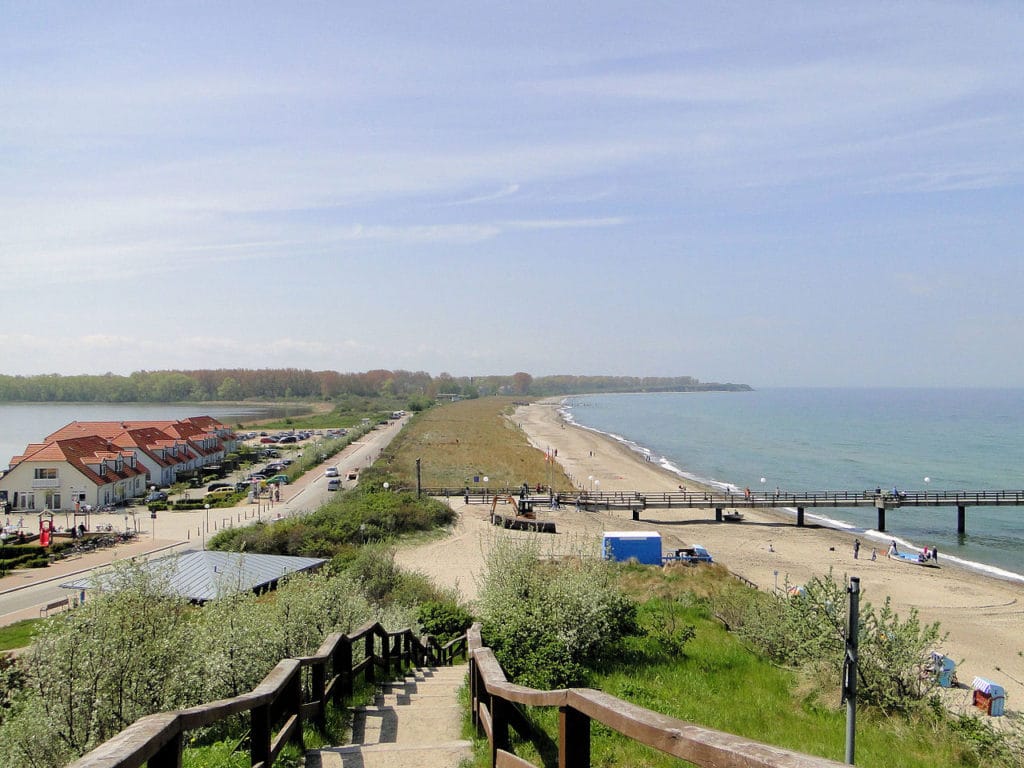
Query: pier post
x=718, y=514
x=881, y=518
x=799, y=517
x=636, y=513
x=961, y=519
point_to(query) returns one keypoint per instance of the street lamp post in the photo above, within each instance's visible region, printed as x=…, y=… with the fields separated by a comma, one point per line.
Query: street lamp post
x=590, y=480
x=207, y=529
x=763, y=492
x=486, y=487
x=386, y=485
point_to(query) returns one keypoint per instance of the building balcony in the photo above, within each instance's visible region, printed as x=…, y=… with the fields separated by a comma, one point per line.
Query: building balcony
x=46, y=483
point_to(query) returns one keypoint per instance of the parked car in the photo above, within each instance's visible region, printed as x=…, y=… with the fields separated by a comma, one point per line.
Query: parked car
x=156, y=496
x=288, y=439
x=281, y=479
x=268, y=439
x=220, y=493
x=333, y=484
x=331, y=472
x=216, y=486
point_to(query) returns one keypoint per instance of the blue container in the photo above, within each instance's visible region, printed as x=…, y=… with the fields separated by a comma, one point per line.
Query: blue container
x=642, y=546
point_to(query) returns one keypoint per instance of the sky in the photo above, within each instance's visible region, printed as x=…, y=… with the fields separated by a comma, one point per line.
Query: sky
x=776, y=194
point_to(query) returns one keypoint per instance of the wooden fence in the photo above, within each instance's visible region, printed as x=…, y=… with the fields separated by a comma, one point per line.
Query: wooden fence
x=294, y=691
x=495, y=708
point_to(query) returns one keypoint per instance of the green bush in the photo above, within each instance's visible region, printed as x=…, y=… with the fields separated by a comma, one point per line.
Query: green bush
x=548, y=623
x=809, y=630
x=367, y=514
x=444, y=620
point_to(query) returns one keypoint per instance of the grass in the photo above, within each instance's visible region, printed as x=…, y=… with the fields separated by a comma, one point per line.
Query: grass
x=458, y=442
x=717, y=683
x=18, y=635
x=234, y=752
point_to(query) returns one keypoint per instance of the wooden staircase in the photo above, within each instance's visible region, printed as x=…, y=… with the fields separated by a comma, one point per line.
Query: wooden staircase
x=412, y=722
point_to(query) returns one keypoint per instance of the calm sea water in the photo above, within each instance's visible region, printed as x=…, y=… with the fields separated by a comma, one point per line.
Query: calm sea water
x=24, y=423
x=845, y=439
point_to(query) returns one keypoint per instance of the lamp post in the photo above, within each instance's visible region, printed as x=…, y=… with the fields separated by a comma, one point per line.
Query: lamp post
x=386, y=485
x=926, y=481
x=763, y=481
x=486, y=487
x=206, y=530
x=597, y=486
x=590, y=480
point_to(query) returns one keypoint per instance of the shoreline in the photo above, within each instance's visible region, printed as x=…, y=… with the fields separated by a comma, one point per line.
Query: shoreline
x=982, y=613
x=789, y=513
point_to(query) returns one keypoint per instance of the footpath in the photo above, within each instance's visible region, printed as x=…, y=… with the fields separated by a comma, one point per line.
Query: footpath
x=415, y=721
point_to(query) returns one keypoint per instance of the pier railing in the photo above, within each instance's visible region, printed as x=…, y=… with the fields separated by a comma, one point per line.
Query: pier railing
x=294, y=691
x=637, y=501
x=495, y=703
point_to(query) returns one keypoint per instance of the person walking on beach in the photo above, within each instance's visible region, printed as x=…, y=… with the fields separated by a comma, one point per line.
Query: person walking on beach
x=856, y=549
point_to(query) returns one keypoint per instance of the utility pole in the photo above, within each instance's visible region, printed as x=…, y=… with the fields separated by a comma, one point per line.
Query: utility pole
x=419, y=486
x=850, y=666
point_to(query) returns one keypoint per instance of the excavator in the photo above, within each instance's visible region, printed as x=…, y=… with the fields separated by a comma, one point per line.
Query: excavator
x=524, y=518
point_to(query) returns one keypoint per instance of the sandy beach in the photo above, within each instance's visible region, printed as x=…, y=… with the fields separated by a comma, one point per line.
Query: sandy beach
x=983, y=616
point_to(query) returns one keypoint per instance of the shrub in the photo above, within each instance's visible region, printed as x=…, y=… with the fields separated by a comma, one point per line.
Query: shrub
x=444, y=620
x=549, y=622
x=809, y=630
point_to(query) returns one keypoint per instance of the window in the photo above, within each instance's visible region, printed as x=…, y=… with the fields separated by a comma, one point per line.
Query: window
x=45, y=473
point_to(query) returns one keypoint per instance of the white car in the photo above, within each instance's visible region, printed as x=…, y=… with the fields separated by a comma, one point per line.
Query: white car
x=331, y=472
x=334, y=485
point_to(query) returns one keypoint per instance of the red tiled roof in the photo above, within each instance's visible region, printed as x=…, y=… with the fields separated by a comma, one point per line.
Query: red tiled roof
x=86, y=454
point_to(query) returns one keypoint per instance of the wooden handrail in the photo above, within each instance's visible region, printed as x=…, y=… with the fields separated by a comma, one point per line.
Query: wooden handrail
x=278, y=702
x=492, y=698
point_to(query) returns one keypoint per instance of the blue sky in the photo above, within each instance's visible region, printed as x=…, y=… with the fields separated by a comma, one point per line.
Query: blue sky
x=775, y=194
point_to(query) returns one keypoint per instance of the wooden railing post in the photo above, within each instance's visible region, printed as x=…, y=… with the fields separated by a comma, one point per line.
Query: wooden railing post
x=293, y=705
x=318, y=680
x=343, y=670
x=371, y=673
x=385, y=652
x=474, y=686
x=169, y=755
x=259, y=736
x=573, y=739
x=499, y=726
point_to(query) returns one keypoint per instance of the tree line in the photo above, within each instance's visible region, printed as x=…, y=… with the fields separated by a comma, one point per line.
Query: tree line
x=234, y=384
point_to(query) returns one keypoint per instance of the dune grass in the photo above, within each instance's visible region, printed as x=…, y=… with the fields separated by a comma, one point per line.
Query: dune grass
x=458, y=442
x=717, y=683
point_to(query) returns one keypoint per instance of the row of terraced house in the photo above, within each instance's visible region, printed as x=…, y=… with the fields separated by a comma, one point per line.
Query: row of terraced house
x=110, y=462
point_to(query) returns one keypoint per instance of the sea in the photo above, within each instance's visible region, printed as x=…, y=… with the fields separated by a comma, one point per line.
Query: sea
x=816, y=439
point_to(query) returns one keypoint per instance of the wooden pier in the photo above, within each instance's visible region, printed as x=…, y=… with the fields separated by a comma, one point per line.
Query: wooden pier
x=882, y=501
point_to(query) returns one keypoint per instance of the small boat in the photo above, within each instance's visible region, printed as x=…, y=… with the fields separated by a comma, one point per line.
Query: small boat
x=914, y=558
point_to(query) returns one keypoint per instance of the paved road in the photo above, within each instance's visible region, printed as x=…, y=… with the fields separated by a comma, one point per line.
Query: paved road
x=23, y=592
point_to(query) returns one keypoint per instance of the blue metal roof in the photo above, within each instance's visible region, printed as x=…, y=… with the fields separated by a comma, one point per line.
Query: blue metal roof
x=206, y=575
